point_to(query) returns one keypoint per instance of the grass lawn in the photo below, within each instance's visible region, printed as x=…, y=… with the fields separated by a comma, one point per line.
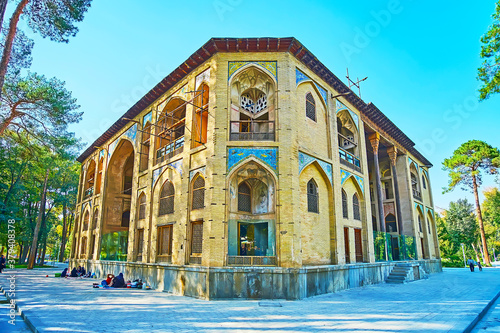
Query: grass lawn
x=26, y=265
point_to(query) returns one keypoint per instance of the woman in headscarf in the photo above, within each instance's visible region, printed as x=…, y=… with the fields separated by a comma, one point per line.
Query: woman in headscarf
x=74, y=272
x=64, y=272
x=118, y=282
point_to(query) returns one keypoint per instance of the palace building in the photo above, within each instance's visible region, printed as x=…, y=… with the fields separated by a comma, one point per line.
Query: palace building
x=253, y=171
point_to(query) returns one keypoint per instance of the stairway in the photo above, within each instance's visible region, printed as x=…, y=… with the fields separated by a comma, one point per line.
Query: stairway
x=399, y=274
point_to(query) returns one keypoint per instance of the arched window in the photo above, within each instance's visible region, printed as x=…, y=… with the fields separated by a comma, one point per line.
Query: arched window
x=355, y=207
x=310, y=107
x=200, y=117
x=312, y=197
x=198, y=193
x=145, y=144
x=345, y=212
x=424, y=185
x=166, y=199
x=419, y=223
x=142, y=207
x=86, y=220
x=128, y=171
x=244, y=198
x=99, y=176
x=390, y=223
x=429, y=226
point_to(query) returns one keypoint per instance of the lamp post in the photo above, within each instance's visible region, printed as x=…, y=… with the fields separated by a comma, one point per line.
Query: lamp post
x=463, y=251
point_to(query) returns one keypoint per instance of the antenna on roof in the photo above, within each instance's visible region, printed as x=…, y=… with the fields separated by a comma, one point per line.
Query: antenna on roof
x=356, y=84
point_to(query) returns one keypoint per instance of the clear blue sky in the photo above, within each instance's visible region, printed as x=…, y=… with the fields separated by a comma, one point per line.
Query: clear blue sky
x=421, y=59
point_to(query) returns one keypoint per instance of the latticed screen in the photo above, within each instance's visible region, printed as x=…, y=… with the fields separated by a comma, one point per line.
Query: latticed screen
x=244, y=198
x=198, y=193
x=94, y=220
x=142, y=207
x=166, y=199
x=355, y=207
x=197, y=238
x=345, y=212
x=358, y=245
x=140, y=240
x=86, y=221
x=312, y=197
x=419, y=223
x=310, y=107
x=165, y=240
x=84, y=245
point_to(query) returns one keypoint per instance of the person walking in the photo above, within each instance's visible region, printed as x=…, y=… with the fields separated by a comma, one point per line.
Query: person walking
x=471, y=263
x=2, y=263
x=479, y=266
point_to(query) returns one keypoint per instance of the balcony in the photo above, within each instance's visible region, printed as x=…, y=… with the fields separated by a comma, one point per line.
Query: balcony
x=251, y=261
x=416, y=194
x=252, y=130
x=349, y=160
x=88, y=192
x=166, y=152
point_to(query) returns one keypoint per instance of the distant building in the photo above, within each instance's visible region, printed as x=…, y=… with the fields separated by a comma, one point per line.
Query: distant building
x=251, y=154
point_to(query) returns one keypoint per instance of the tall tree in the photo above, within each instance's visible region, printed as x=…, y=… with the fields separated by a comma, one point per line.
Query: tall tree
x=54, y=19
x=465, y=169
x=489, y=72
x=41, y=107
x=491, y=206
x=34, y=245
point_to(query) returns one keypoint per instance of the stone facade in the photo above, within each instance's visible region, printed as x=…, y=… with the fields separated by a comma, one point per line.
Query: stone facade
x=251, y=162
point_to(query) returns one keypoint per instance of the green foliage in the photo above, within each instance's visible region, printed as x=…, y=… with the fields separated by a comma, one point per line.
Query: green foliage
x=42, y=107
x=489, y=72
x=491, y=206
x=468, y=161
x=461, y=223
x=21, y=52
x=55, y=19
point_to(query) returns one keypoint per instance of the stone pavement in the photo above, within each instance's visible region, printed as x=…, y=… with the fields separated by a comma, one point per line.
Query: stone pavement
x=491, y=321
x=446, y=302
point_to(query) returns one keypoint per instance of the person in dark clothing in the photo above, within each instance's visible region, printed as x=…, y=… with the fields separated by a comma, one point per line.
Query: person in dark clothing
x=74, y=273
x=82, y=271
x=118, y=281
x=471, y=263
x=64, y=272
x=479, y=266
x=2, y=263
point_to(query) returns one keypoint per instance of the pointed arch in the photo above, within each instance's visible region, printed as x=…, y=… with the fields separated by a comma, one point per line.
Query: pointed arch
x=355, y=207
x=345, y=207
x=86, y=220
x=310, y=107
x=90, y=179
x=314, y=88
x=244, y=197
x=170, y=128
x=198, y=192
x=95, y=219
x=167, y=196
x=312, y=196
x=141, y=209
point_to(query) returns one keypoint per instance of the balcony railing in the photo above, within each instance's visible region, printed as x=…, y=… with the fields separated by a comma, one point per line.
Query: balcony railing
x=195, y=260
x=416, y=194
x=252, y=130
x=88, y=192
x=349, y=160
x=251, y=261
x=166, y=152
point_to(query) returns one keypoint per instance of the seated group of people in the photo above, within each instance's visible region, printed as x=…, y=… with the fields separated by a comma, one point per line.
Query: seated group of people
x=76, y=272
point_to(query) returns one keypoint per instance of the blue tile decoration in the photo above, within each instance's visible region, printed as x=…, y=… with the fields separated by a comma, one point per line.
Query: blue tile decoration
x=268, y=156
x=201, y=170
x=427, y=209
x=344, y=175
x=413, y=162
x=305, y=160
x=176, y=165
x=111, y=149
x=269, y=66
x=421, y=207
x=147, y=118
x=301, y=77
x=101, y=154
x=131, y=133
x=340, y=106
x=425, y=172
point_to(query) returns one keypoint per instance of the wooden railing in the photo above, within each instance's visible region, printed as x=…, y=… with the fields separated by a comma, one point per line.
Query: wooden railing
x=166, y=152
x=416, y=194
x=349, y=160
x=88, y=192
x=252, y=130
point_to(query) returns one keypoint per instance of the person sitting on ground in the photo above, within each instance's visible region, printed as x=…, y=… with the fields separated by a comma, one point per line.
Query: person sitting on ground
x=2, y=263
x=74, y=272
x=82, y=272
x=118, y=281
x=64, y=272
x=109, y=279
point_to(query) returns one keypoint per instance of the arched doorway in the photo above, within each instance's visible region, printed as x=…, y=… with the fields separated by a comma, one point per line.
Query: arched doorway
x=117, y=191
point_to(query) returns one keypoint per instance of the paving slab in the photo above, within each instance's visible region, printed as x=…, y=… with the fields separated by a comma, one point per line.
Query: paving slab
x=445, y=302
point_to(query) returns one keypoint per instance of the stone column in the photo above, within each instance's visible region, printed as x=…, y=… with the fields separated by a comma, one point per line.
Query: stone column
x=393, y=154
x=375, y=140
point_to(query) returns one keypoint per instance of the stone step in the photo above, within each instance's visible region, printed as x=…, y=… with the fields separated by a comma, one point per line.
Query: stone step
x=397, y=277
x=394, y=281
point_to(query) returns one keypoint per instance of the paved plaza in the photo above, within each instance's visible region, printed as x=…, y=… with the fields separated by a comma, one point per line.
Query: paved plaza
x=445, y=302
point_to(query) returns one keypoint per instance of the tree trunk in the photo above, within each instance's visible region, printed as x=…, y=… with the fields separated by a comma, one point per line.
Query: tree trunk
x=9, y=41
x=63, y=236
x=481, y=226
x=31, y=260
x=44, y=251
x=3, y=6
x=26, y=249
x=475, y=251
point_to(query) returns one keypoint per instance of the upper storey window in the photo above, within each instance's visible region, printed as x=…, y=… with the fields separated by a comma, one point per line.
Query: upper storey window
x=310, y=107
x=252, y=106
x=200, y=117
x=348, y=140
x=170, y=130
